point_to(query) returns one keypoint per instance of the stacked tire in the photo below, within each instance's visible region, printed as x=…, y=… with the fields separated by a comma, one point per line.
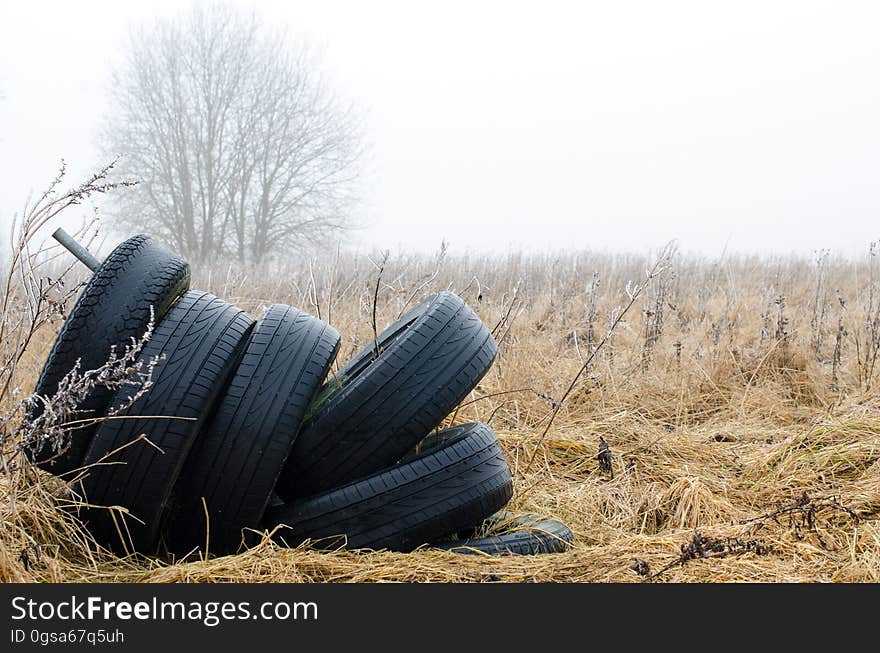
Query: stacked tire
x=240, y=432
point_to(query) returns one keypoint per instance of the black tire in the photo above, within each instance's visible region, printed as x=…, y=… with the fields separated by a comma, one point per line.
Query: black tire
x=113, y=308
x=377, y=409
x=237, y=459
x=524, y=535
x=200, y=341
x=442, y=491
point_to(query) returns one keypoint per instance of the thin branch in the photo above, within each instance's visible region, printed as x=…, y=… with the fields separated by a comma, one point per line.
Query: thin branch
x=634, y=293
x=381, y=267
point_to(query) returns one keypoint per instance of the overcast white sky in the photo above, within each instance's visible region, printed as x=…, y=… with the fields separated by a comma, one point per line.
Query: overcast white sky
x=615, y=125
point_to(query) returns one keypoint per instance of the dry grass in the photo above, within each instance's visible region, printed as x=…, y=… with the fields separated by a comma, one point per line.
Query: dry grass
x=730, y=405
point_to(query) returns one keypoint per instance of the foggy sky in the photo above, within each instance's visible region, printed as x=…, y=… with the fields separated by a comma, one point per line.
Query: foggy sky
x=613, y=125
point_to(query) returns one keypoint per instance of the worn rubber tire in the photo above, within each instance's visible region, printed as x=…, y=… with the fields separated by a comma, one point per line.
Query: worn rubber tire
x=200, y=341
x=237, y=459
x=113, y=308
x=524, y=535
x=444, y=490
x=376, y=409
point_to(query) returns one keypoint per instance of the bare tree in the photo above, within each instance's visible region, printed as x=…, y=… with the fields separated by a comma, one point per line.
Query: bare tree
x=240, y=147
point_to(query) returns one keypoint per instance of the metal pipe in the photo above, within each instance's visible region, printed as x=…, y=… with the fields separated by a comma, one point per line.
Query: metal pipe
x=80, y=252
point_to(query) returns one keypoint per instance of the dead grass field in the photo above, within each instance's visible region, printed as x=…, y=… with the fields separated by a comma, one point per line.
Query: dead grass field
x=738, y=398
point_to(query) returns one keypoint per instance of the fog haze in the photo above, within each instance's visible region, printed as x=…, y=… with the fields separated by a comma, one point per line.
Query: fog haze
x=753, y=126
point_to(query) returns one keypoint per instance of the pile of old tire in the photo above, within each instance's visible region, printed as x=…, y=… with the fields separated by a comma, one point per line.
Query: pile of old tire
x=241, y=433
